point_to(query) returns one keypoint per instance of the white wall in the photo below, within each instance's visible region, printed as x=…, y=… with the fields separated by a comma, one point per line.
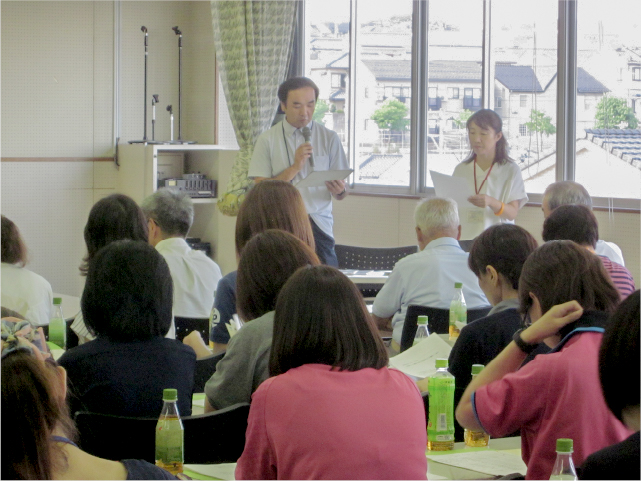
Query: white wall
x=57, y=110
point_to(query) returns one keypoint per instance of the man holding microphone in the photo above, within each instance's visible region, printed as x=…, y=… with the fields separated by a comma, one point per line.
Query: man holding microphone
x=297, y=146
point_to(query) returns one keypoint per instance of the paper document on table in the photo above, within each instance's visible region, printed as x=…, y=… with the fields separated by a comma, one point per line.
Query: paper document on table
x=216, y=471
x=456, y=188
x=319, y=177
x=495, y=463
x=420, y=360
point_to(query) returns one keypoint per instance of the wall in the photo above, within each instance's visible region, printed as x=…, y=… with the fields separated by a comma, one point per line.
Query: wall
x=387, y=222
x=58, y=110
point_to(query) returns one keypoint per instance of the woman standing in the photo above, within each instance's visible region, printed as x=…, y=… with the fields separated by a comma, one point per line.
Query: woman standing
x=498, y=185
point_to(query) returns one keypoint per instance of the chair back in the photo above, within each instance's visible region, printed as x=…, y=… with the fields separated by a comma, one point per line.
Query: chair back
x=371, y=258
x=205, y=368
x=212, y=438
x=72, y=337
x=438, y=321
x=184, y=325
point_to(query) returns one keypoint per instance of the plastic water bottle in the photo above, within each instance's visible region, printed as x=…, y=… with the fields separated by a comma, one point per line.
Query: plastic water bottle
x=564, y=466
x=476, y=439
x=57, y=326
x=170, y=435
x=421, y=331
x=458, y=311
x=440, y=425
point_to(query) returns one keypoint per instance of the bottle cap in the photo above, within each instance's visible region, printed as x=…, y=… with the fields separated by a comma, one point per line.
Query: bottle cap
x=476, y=368
x=169, y=394
x=441, y=363
x=421, y=320
x=57, y=301
x=458, y=285
x=564, y=445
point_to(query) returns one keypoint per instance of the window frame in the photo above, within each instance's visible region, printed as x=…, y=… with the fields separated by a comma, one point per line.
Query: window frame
x=419, y=102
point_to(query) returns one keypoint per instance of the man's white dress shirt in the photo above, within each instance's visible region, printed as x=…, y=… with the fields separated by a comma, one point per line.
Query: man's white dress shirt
x=427, y=278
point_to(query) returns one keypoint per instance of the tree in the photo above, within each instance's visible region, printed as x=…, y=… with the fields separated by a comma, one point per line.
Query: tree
x=539, y=122
x=463, y=116
x=611, y=112
x=320, y=111
x=391, y=115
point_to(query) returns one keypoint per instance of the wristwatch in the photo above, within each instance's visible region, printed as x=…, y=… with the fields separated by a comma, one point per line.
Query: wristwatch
x=523, y=346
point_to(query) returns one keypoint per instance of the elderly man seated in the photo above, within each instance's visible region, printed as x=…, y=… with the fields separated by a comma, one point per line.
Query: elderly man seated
x=427, y=278
x=567, y=192
x=170, y=215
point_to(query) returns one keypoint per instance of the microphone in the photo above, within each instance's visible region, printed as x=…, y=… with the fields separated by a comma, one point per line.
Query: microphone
x=307, y=134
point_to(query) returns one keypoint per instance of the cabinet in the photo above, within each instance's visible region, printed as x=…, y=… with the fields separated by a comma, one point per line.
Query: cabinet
x=138, y=177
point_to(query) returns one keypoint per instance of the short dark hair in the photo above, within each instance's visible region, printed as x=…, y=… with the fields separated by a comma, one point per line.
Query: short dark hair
x=267, y=261
x=488, y=119
x=113, y=218
x=14, y=250
x=572, y=222
x=321, y=319
x=295, y=83
x=172, y=210
x=273, y=204
x=619, y=357
x=504, y=247
x=128, y=294
x=562, y=271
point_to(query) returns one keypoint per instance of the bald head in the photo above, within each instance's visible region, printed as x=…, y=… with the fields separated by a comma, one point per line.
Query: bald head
x=565, y=192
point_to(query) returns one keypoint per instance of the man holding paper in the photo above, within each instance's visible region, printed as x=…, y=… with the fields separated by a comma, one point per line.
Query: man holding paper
x=295, y=148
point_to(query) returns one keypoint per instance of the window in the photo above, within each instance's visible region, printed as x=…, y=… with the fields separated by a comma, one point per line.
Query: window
x=522, y=129
x=375, y=54
x=338, y=81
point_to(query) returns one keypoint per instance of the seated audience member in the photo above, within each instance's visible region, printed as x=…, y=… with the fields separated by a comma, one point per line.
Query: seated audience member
x=170, y=215
x=566, y=296
x=267, y=261
x=496, y=258
x=619, y=375
x=115, y=217
x=38, y=441
x=427, y=278
x=23, y=291
x=577, y=223
x=567, y=192
x=326, y=412
x=271, y=204
x=126, y=304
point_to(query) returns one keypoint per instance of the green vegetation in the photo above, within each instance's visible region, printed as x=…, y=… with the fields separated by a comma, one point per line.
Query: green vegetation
x=321, y=109
x=391, y=115
x=613, y=112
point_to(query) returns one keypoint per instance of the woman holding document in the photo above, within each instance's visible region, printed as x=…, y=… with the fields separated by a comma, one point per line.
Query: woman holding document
x=499, y=192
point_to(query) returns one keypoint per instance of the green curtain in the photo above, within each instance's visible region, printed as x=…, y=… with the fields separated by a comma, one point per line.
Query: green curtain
x=253, y=41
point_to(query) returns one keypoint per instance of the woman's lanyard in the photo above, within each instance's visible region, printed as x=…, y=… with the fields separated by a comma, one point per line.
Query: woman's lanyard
x=478, y=189
x=62, y=439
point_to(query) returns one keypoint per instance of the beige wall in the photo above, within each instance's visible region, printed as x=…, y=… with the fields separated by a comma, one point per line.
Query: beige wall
x=387, y=222
x=57, y=101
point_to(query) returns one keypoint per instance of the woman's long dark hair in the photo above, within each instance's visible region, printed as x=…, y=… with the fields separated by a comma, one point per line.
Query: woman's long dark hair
x=488, y=119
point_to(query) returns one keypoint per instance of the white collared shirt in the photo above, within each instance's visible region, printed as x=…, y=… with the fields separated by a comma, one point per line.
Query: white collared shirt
x=609, y=250
x=504, y=183
x=27, y=293
x=195, y=277
x=427, y=278
x=274, y=152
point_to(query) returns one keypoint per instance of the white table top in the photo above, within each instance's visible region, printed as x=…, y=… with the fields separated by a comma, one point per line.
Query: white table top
x=366, y=277
x=70, y=305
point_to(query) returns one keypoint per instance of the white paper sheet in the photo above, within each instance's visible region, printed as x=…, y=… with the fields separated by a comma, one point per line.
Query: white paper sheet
x=456, y=188
x=319, y=177
x=495, y=463
x=217, y=471
x=419, y=361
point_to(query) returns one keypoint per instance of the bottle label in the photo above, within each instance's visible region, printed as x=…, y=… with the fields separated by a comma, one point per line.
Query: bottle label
x=440, y=425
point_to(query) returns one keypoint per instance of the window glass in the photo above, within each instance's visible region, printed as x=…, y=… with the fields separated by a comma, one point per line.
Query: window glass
x=524, y=63
x=608, y=157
